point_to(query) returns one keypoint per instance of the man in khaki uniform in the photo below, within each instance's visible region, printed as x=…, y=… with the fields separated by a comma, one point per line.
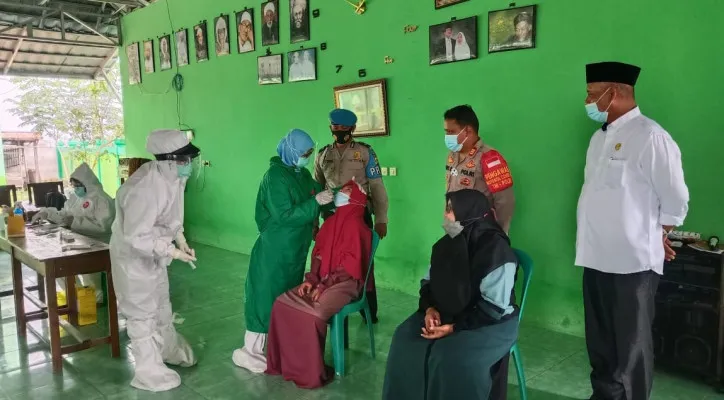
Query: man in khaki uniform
x=472, y=164
x=345, y=159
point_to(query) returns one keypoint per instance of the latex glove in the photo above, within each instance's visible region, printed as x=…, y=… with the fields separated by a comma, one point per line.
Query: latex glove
x=182, y=255
x=41, y=215
x=325, y=197
x=183, y=245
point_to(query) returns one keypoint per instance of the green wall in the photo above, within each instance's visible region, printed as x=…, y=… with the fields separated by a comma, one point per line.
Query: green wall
x=530, y=104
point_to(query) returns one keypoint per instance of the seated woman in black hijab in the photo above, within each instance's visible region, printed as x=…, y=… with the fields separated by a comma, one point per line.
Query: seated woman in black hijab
x=467, y=321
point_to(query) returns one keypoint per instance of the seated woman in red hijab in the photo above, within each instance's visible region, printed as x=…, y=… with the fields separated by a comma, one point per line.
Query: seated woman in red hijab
x=298, y=327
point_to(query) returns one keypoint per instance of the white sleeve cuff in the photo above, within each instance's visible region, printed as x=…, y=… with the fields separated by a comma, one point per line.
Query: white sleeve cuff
x=671, y=220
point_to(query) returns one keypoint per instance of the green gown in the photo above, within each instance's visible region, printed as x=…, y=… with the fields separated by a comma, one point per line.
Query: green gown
x=286, y=210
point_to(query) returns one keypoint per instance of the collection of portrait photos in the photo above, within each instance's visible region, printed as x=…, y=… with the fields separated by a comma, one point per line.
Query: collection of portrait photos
x=509, y=29
x=302, y=63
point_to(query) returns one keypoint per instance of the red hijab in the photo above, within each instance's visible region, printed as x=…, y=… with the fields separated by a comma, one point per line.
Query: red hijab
x=344, y=239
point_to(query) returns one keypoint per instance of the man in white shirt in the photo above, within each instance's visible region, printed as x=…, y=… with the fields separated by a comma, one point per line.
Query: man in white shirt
x=633, y=194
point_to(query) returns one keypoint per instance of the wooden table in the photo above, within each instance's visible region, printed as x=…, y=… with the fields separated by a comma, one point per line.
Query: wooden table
x=44, y=254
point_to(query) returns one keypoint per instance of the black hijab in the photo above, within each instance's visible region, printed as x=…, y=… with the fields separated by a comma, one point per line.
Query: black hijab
x=459, y=264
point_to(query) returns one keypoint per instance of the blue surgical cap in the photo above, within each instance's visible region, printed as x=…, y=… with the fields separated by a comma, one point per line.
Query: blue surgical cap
x=293, y=146
x=342, y=117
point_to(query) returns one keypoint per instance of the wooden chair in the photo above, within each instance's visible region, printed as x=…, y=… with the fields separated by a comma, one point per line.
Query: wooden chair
x=8, y=195
x=37, y=191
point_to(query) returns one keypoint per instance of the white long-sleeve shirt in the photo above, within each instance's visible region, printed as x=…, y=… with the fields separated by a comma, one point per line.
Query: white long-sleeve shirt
x=633, y=186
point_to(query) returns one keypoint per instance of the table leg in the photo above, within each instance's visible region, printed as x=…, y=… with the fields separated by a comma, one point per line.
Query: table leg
x=41, y=287
x=18, y=295
x=53, y=323
x=72, y=299
x=112, y=315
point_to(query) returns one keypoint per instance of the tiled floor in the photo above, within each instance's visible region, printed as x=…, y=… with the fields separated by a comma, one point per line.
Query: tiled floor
x=209, y=299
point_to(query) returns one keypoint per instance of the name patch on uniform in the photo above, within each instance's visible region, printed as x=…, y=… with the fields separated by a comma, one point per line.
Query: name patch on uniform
x=496, y=172
x=468, y=173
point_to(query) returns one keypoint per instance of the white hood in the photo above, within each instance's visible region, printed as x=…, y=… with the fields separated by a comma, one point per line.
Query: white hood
x=85, y=175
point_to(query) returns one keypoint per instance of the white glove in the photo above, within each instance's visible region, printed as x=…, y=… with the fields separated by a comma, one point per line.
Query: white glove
x=42, y=214
x=182, y=256
x=325, y=197
x=183, y=245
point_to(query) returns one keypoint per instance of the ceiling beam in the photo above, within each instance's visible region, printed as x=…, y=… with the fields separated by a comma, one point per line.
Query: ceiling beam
x=9, y=63
x=36, y=39
x=50, y=64
x=42, y=54
x=86, y=26
x=50, y=7
x=130, y=3
x=104, y=63
x=51, y=75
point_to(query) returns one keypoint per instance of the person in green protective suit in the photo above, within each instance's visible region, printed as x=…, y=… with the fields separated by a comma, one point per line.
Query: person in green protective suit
x=287, y=210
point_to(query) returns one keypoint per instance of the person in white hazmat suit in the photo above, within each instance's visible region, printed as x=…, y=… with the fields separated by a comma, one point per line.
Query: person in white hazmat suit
x=149, y=218
x=89, y=211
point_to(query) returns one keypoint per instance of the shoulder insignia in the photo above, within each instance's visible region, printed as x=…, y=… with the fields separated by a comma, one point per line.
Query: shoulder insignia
x=495, y=171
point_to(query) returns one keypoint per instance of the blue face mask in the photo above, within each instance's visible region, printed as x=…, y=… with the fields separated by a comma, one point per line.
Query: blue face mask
x=184, y=170
x=341, y=199
x=80, y=191
x=594, y=113
x=451, y=142
x=302, y=162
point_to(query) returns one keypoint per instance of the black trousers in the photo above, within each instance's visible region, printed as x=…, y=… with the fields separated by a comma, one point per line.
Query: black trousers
x=619, y=312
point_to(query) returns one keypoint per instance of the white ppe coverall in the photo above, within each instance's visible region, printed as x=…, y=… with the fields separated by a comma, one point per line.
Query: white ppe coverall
x=149, y=208
x=90, y=215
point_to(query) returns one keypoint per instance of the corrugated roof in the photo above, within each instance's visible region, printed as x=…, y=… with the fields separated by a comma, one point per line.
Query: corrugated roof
x=60, y=38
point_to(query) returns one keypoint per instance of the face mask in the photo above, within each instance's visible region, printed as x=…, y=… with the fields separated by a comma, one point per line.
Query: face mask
x=451, y=142
x=594, y=113
x=302, y=162
x=341, y=199
x=452, y=228
x=184, y=171
x=80, y=191
x=342, y=136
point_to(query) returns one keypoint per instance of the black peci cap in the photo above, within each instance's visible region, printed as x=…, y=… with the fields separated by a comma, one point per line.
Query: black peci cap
x=615, y=72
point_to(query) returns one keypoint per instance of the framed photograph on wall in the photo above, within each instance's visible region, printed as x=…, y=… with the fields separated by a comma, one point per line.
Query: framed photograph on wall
x=245, y=31
x=221, y=34
x=302, y=65
x=201, y=42
x=511, y=29
x=368, y=100
x=270, y=23
x=182, y=48
x=299, y=21
x=164, y=45
x=134, y=64
x=454, y=41
x=270, y=69
x=148, y=64
x=446, y=3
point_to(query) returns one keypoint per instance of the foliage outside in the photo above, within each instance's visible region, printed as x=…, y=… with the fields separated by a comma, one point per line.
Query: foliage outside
x=65, y=109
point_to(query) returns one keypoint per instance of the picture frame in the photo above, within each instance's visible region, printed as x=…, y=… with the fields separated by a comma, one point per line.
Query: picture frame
x=299, y=30
x=133, y=53
x=302, y=65
x=454, y=41
x=201, y=42
x=182, y=47
x=164, y=52
x=270, y=23
x=245, y=36
x=512, y=29
x=221, y=36
x=269, y=69
x=149, y=65
x=447, y=3
x=368, y=100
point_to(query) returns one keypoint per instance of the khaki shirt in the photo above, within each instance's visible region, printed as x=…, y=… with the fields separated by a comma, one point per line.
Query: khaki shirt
x=485, y=170
x=334, y=167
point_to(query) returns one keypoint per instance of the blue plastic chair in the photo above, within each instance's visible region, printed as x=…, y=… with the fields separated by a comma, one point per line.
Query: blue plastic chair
x=337, y=321
x=526, y=264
